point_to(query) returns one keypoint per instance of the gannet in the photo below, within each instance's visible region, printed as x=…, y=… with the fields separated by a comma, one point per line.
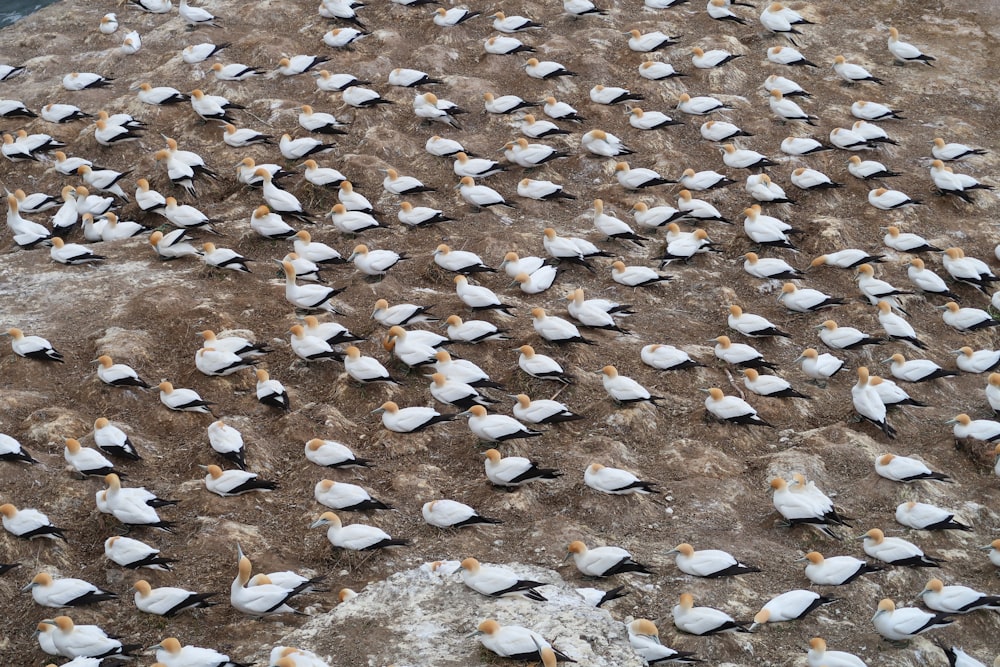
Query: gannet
x=667, y=357
x=907, y=242
x=234, y=482
x=993, y=392
x=444, y=513
x=411, y=419
x=556, y=329
x=786, y=109
x=966, y=319
x=184, y=400
x=836, y=570
x=512, y=24
x=542, y=411
x=473, y=331
x=196, y=16
x=299, y=64
x=460, y=261
x=197, y=53
x=502, y=45
x=414, y=348
x=72, y=253
x=798, y=508
x=83, y=80
x=802, y=146
x=977, y=361
x=732, y=409
x=603, y=561
x=498, y=581
x=953, y=151
x=480, y=196
x=560, y=110
x=852, y=73
x=577, y=8
x=786, y=55
x=615, y=481
x=516, y=642
x=950, y=183
x=818, y=656
x=131, y=44
x=531, y=155
x=308, y=297
x=787, y=87
x=363, y=98
x=916, y=370
x=332, y=454
x=346, y=496
x=702, y=621
x=922, y=516
x=514, y=471
x=428, y=107
x=262, y=599
x=133, y=554
x=134, y=507
x=906, y=469
x=969, y=270
x=906, y=52
x=712, y=58
x=868, y=404
x=8, y=72
x=896, y=551
x=888, y=200
x=844, y=338
x=601, y=94
x=365, y=369
x=32, y=347
x=311, y=348
x=29, y=523
x=351, y=222
x=868, y=169
x=11, y=450
x=496, y=428
x=655, y=70
x=338, y=83
x=699, y=106
x=537, y=129
x=751, y=325
x=905, y=623
x=168, y=601
x=453, y=392
x=769, y=268
x=186, y=217
x=866, y=110
x=62, y=113
x=243, y=137
x=224, y=258
x=636, y=276
x=698, y=209
x=479, y=298
x=409, y=78
x=356, y=537
x=790, y=606
x=119, y=230
x=75, y=641
x=227, y=442
x=644, y=637
x=778, y=19
x=238, y=345
x=805, y=178
x=649, y=42
x=985, y=430
x=769, y=385
x=213, y=362
x=741, y=158
x=708, y=563
x=805, y=300
x=872, y=133
x=296, y=149
x=109, y=134
x=541, y=366
x=704, y=180
x=15, y=109
x=65, y=592
x=530, y=188
x=87, y=461
x=172, y=245
x=739, y=354
x=956, y=599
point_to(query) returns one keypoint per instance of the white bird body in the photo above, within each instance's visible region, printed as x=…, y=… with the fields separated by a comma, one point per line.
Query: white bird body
x=702, y=620
x=922, y=516
x=904, y=623
x=496, y=428
x=409, y=420
x=789, y=606
x=512, y=471
x=258, y=600
x=133, y=554
x=893, y=550
x=86, y=460
x=732, y=409
x=445, y=513
x=717, y=130
x=956, y=599
x=332, y=454
x=977, y=361
x=615, y=481
x=75, y=641
x=64, y=592
x=167, y=600
x=699, y=106
x=355, y=537
x=344, y=496
x=808, y=179
x=603, y=561
x=665, y=357
x=477, y=297
x=479, y=196
x=835, y=570
x=541, y=366
x=374, y=262
x=904, y=469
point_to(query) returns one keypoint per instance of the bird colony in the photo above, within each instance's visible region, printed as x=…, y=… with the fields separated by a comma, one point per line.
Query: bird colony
x=679, y=317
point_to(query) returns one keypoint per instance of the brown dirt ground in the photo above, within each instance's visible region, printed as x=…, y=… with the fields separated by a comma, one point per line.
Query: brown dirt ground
x=714, y=477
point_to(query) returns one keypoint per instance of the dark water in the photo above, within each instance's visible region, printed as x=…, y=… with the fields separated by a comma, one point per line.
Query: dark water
x=12, y=10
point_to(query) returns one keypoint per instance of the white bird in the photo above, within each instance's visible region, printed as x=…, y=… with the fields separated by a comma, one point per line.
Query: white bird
x=624, y=390
x=296, y=149
x=789, y=606
x=409, y=420
x=234, y=482
x=496, y=428
x=916, y=370
x=503, y=45
x=866, y=110
x=72, y=254
x=337, y=83
x=307, y=297
x=698, y=209
x=227, y=442
x=444, y=513
x=700, y=105
x=636, y=276
x=906, y=622
x=514, y=641
x=985, y=430
x=541, y=366
x=805, y=300
x=172, y=245
x=922, y=516
x=906, y=52
x=615, y=481
x=786, y=55
x=356, y=537
x=167, y=601
x=906, y=469
x=601, y=94
x=956, y=599
x=953, y=151
x=751, y=325
x=85, y=460
x=868, y=169
x=65, y=591
x=769, y=268
x=261, y=599
x=836, y=570
x=869, y=404
x=805, y=178
x=332, y=454
x=514, y=471
x=977, y=361
x=906, y=241
x=844, y=338
x=741, y=158
x=603, y=561
x=32, y=347
x=650, y=41
x=896, y=551
x=771, y=386
x=666, y=357
x=108, y=25
x=704, y=180
x=557, y=110
x=75, y=641
x=512, y=24
x=453, y=16
x=786, y=109
x=708, y=563
x=184, y=400
x=359, y=96
x=966, y=319
x=479, y=298
x=84, y=80
x=454, y=392
x=732, y=409
x=577, y=8
x=644, y=637
x=197, y=53
x=853, y=73
x=408, y=78
x=888, y=200
x=365, y=369
x=702, y=621
x=498, y=581
x=739, y=354
x=346, y=496
x=299, y=64
x=213, y=362
x=655, y=70
x=133, y=554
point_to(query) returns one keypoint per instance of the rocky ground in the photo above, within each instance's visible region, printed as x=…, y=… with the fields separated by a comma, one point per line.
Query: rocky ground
x=714, y=478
